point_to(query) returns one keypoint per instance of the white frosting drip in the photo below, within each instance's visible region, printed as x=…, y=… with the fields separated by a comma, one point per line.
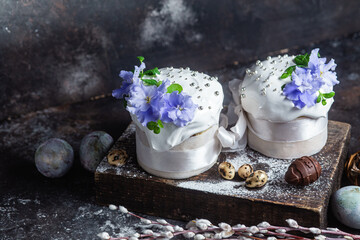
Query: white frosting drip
x=261, y=93
x=205, y=91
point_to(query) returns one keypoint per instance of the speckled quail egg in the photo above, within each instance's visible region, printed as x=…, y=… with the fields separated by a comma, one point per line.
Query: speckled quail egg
x=245, y=171
x=227, y=170
x=256, y=179
x=54, y=158
x=117, y=157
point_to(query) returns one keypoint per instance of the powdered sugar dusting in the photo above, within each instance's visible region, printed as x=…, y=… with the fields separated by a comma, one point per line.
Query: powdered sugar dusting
x=276, y=187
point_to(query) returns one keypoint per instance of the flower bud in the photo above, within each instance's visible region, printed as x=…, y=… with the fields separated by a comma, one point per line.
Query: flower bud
x=123, y=209
x=104, y=235
x=292, y=223
x=315, y=230
x=112, y=207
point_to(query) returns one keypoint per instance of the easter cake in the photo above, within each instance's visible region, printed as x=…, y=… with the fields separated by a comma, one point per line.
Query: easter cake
x=176, y=112
x=286, y=100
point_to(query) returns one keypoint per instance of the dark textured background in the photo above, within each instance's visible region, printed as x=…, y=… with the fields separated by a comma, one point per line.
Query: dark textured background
x=56, y=52
x=59, y=60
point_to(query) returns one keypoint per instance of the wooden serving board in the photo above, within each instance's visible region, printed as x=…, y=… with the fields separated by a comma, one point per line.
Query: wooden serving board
x=212, y=197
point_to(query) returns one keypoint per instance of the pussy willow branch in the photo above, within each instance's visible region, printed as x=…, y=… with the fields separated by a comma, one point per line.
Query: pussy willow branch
x=196, y=232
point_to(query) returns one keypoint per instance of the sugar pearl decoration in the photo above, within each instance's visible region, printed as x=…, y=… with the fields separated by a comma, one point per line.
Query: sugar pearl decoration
x=258, y=62
x=192, y=84
x=248, y=71
x=226, y=170
x=217, y=93
x=207, y=85
x=201, y=108
x=268, y=58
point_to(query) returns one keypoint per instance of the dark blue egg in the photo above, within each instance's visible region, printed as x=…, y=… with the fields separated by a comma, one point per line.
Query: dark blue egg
x=93, y=148
x=54, y=158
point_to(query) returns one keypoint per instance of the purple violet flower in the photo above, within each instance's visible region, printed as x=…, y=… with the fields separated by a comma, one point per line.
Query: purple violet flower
x=306, y=82
x=302, y=91
x=151, y=103
x=179, y=109
x=322, y=70
x=128, y=79
x=146, y=102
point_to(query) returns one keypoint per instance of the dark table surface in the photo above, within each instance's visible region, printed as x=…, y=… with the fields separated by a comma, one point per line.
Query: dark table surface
x=35, y=207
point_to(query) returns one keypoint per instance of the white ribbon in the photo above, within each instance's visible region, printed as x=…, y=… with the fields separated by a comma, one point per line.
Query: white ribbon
x=300, y=129
x=182, y=161
x=236, y=138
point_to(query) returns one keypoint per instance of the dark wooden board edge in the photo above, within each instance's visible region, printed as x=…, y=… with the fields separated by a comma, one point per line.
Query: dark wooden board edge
x=187, y=204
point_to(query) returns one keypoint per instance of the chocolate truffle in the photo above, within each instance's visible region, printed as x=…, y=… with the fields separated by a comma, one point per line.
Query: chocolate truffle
x=303, y=171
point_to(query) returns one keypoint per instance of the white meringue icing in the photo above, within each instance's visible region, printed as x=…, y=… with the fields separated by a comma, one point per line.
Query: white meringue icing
x=262, y=96
x=205, y=91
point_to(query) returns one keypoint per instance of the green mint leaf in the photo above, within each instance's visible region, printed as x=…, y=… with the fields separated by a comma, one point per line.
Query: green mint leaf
x=323, y=101
x=307, y=58
x=282, y=87
x=318, y=54
x=124, y=103
x=288, y=72
x=319, y=98
x=141, y=58
x=299, y=60
x=302, y=60
x=152, y=72
x=160, y=123
x=157, y=130
x=174, y=87
x=158, y=83
x=151, y=125
x=329, y=95
x=284, y=75
x=150, y=82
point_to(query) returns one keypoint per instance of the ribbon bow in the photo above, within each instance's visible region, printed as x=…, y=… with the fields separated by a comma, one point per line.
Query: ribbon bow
x=236, y=138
